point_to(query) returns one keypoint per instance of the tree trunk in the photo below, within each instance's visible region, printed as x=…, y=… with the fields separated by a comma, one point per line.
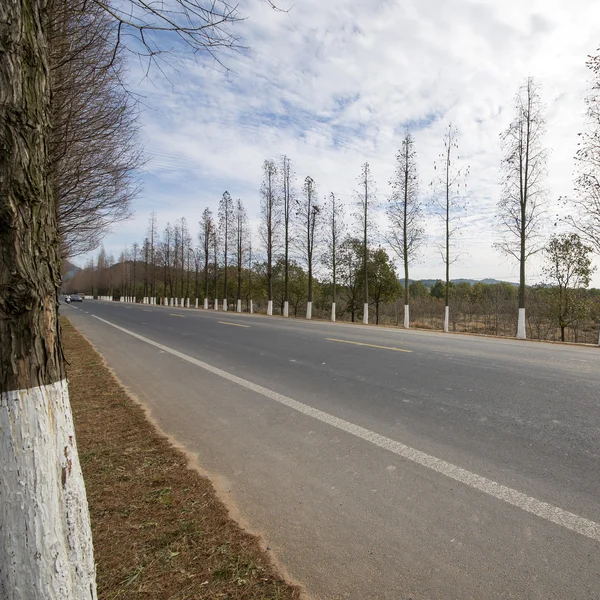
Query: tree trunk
x=45, y=535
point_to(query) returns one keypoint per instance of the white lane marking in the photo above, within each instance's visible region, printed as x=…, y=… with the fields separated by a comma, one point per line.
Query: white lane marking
x=541, y=509
x=369, y=345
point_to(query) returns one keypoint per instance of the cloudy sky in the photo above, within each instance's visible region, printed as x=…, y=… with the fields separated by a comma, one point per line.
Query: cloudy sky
x=334, y=83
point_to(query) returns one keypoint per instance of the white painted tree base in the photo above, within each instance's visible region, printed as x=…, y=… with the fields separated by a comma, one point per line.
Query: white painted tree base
x=225, y=304
x=406, y=316
x=216, y=304
x=182, y=304
x=251, y=307
x=205, y=303
x=166, y=301
x=446, y=319
x=238, y=308
x=333, y=311
x=187, y=302
x=286, y=309
x=365, y=314
x=45, y=535
x=270, y=307
x=521, y=331
x=309, y=310
x=196, y=302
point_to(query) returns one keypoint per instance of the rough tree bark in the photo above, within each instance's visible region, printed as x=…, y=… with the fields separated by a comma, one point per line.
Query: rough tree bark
x=45, y=536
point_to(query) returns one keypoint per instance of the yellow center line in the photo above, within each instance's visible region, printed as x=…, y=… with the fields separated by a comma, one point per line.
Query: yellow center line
x=174, y=315
x=369, y=345
x=234, y=324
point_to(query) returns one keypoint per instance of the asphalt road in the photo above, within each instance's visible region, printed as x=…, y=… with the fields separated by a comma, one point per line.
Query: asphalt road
x=380, y=463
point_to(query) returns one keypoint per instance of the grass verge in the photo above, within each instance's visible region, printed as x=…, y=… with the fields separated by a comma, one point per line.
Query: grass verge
x=160, y=532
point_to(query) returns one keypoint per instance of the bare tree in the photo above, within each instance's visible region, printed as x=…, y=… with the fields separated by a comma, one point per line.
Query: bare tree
x=45, y=533
x=241, y=239
x=287, y=209
x=449, y=203
x=335, y=231
x=94, y=153
x=405, y=213
x=214, y=244
x=152, y=240
x=207, y=227
x=586, y=218
x=226, y=231
x=365, y=197
x=309, y=213
x=269, y=228
x=521, y=207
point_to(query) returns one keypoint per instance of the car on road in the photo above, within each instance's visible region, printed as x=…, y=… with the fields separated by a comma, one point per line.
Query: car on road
x=76, y=298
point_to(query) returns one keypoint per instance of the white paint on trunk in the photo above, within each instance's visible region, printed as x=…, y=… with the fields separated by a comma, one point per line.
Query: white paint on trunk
x=187, y=302
x=309, y=310
x=182, y=303
x=286, y=309
x=171, y=302
x=251, y=307
x=239, y=305
x=521, y=331
x=196, y=302
x=406, y=316
x=270, y=307
x=446, y=319
x=365, y=314
x=205, y=303
x=333, y=311
x=45, y=535
x=225, y=304
x=216, y=304
x=176, y=302
x=166, y=302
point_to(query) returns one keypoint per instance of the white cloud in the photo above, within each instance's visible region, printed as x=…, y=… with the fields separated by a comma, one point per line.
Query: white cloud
x=333, y=84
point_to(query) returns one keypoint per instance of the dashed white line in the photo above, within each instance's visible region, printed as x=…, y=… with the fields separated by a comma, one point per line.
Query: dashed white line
x=541, y=509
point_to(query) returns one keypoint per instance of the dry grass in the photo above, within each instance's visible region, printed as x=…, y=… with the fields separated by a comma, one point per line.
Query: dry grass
x=159, y=530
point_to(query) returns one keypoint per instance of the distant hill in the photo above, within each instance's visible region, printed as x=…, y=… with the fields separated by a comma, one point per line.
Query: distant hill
x=428, y=283
x=69, y=270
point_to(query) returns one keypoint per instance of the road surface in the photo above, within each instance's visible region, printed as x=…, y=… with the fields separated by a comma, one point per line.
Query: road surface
x=381, y=463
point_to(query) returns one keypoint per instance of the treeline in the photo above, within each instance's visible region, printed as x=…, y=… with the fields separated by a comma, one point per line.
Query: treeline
x=479, y=308
x=310, y=250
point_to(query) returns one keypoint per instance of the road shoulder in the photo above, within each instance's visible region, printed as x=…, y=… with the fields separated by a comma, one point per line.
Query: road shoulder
x=159, y=528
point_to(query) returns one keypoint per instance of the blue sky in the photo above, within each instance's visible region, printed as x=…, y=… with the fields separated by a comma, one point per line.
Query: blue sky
x=333, y=84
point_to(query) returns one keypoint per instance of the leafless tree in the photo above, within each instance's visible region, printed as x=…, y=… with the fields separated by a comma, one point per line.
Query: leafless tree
x=309, y=213
x=214, y=244
x=522, y=205
x=271, y=220
x=335, y=231
x=287, y=176
x=365, y=197
x=207, y=227
x=226, y=231
x=586, y=218
x=405, y=213
x=242, y=235
x=152, y=241
x=93, y=148
x=449, y=203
